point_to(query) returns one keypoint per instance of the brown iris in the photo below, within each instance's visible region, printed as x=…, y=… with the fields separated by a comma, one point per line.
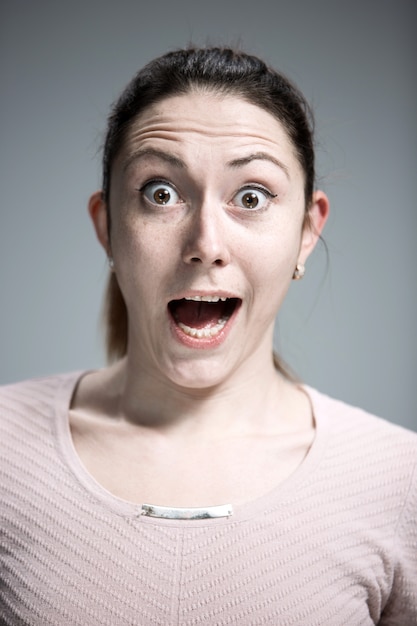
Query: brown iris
x=250, y=200
x=162, y=196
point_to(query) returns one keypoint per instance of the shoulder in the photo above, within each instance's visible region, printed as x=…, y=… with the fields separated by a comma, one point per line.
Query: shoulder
x=35, y=389
x=363, y=449
x=348, y=421
x=26, y=388
x=31, y=401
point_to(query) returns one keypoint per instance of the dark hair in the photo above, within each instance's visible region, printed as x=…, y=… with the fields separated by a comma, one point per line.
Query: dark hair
x=223, y=71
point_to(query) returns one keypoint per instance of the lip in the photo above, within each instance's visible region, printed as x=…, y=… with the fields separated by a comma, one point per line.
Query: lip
x=192, y=293
x=204, y=342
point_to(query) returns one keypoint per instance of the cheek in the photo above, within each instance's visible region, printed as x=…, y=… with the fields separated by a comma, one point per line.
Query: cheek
x=136, y=260
x=271, y=268
x=133, y=241
x=276, y=254
x=146, y=258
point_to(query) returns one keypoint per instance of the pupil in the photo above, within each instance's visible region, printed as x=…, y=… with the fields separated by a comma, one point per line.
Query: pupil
x=250, y=200
x=161, y=196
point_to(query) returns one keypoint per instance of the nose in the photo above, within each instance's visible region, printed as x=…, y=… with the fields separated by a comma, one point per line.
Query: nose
x=206, y=240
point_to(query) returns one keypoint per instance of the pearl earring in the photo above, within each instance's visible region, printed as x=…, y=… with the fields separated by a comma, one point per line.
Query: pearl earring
x=299, y=272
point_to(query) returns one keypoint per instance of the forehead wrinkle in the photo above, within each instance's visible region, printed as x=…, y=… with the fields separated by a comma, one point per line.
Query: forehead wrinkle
x=261, y=156
x=143, y=153
x=165, y=124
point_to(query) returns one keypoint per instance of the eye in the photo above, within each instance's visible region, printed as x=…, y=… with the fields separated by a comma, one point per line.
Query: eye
x=160, y=193
x=251, y=198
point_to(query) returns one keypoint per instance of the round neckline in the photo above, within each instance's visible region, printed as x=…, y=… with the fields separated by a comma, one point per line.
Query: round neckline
x=126, y=508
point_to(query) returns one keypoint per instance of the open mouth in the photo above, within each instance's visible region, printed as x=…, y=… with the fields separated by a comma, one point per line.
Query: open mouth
x=203, y=316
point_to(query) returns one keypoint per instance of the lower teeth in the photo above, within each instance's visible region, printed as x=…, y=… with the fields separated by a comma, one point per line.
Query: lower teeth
x=203, y=332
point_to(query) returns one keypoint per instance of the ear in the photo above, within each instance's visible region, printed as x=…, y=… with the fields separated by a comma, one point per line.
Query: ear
x=98, y=213
x=313, y=225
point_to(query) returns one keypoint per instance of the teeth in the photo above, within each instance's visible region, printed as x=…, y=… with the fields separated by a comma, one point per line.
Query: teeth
x=203, y=332
x=206, y=299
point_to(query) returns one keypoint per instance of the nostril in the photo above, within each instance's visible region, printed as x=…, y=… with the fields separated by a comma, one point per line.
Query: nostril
x=196, y=259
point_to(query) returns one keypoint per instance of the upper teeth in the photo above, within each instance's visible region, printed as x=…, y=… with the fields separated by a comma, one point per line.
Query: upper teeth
x=206, y=298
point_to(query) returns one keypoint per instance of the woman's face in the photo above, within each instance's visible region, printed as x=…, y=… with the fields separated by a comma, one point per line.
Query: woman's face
x=207, y=212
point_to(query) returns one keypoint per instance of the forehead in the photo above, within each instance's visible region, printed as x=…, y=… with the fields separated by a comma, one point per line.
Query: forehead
x=199, y=120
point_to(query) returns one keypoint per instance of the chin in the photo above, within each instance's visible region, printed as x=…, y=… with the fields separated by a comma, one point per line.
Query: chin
x=203, y=374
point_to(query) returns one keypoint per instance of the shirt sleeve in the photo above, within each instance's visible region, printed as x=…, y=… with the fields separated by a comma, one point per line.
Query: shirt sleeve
x=401, y=608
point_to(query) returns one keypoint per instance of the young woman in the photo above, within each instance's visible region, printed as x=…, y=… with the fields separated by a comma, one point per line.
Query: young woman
x=193, y=481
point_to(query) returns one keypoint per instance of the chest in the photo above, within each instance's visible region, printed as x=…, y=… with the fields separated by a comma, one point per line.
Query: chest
x=157, y=471
x=284, y=568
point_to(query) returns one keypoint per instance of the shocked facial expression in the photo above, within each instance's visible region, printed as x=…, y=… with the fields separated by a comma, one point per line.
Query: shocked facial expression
x=207, y=211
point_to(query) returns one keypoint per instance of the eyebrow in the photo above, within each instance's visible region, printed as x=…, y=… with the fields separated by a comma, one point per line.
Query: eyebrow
x=154, y=152
x=179, y=163
x=261, y=156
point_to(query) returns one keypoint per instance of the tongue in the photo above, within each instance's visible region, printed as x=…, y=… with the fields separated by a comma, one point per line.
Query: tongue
x=198, y=314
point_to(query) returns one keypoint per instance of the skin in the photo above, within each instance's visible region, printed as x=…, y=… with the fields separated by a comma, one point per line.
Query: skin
x=173, y=401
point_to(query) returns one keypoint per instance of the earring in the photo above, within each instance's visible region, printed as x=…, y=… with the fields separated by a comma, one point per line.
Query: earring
x=111, y=263
x=299, y=272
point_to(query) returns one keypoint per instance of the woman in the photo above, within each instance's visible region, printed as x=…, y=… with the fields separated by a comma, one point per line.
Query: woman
x=193, y=481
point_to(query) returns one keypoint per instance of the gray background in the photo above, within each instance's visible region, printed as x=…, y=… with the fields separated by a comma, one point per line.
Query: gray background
x=348, y=329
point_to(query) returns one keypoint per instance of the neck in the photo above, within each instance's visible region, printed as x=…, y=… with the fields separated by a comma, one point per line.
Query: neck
x=252, y=400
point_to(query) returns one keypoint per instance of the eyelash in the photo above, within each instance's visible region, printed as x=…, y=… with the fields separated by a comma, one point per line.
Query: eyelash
x=256, y=187
x=156, y=181
x=247, y=187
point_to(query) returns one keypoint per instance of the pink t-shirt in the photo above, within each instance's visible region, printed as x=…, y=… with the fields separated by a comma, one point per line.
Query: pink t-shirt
x=333, y=545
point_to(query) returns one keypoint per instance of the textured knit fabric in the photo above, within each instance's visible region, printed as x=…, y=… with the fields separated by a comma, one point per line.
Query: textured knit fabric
x=335, y=544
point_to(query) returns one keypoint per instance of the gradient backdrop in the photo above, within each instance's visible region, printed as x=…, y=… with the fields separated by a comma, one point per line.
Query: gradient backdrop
x=350, y=329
